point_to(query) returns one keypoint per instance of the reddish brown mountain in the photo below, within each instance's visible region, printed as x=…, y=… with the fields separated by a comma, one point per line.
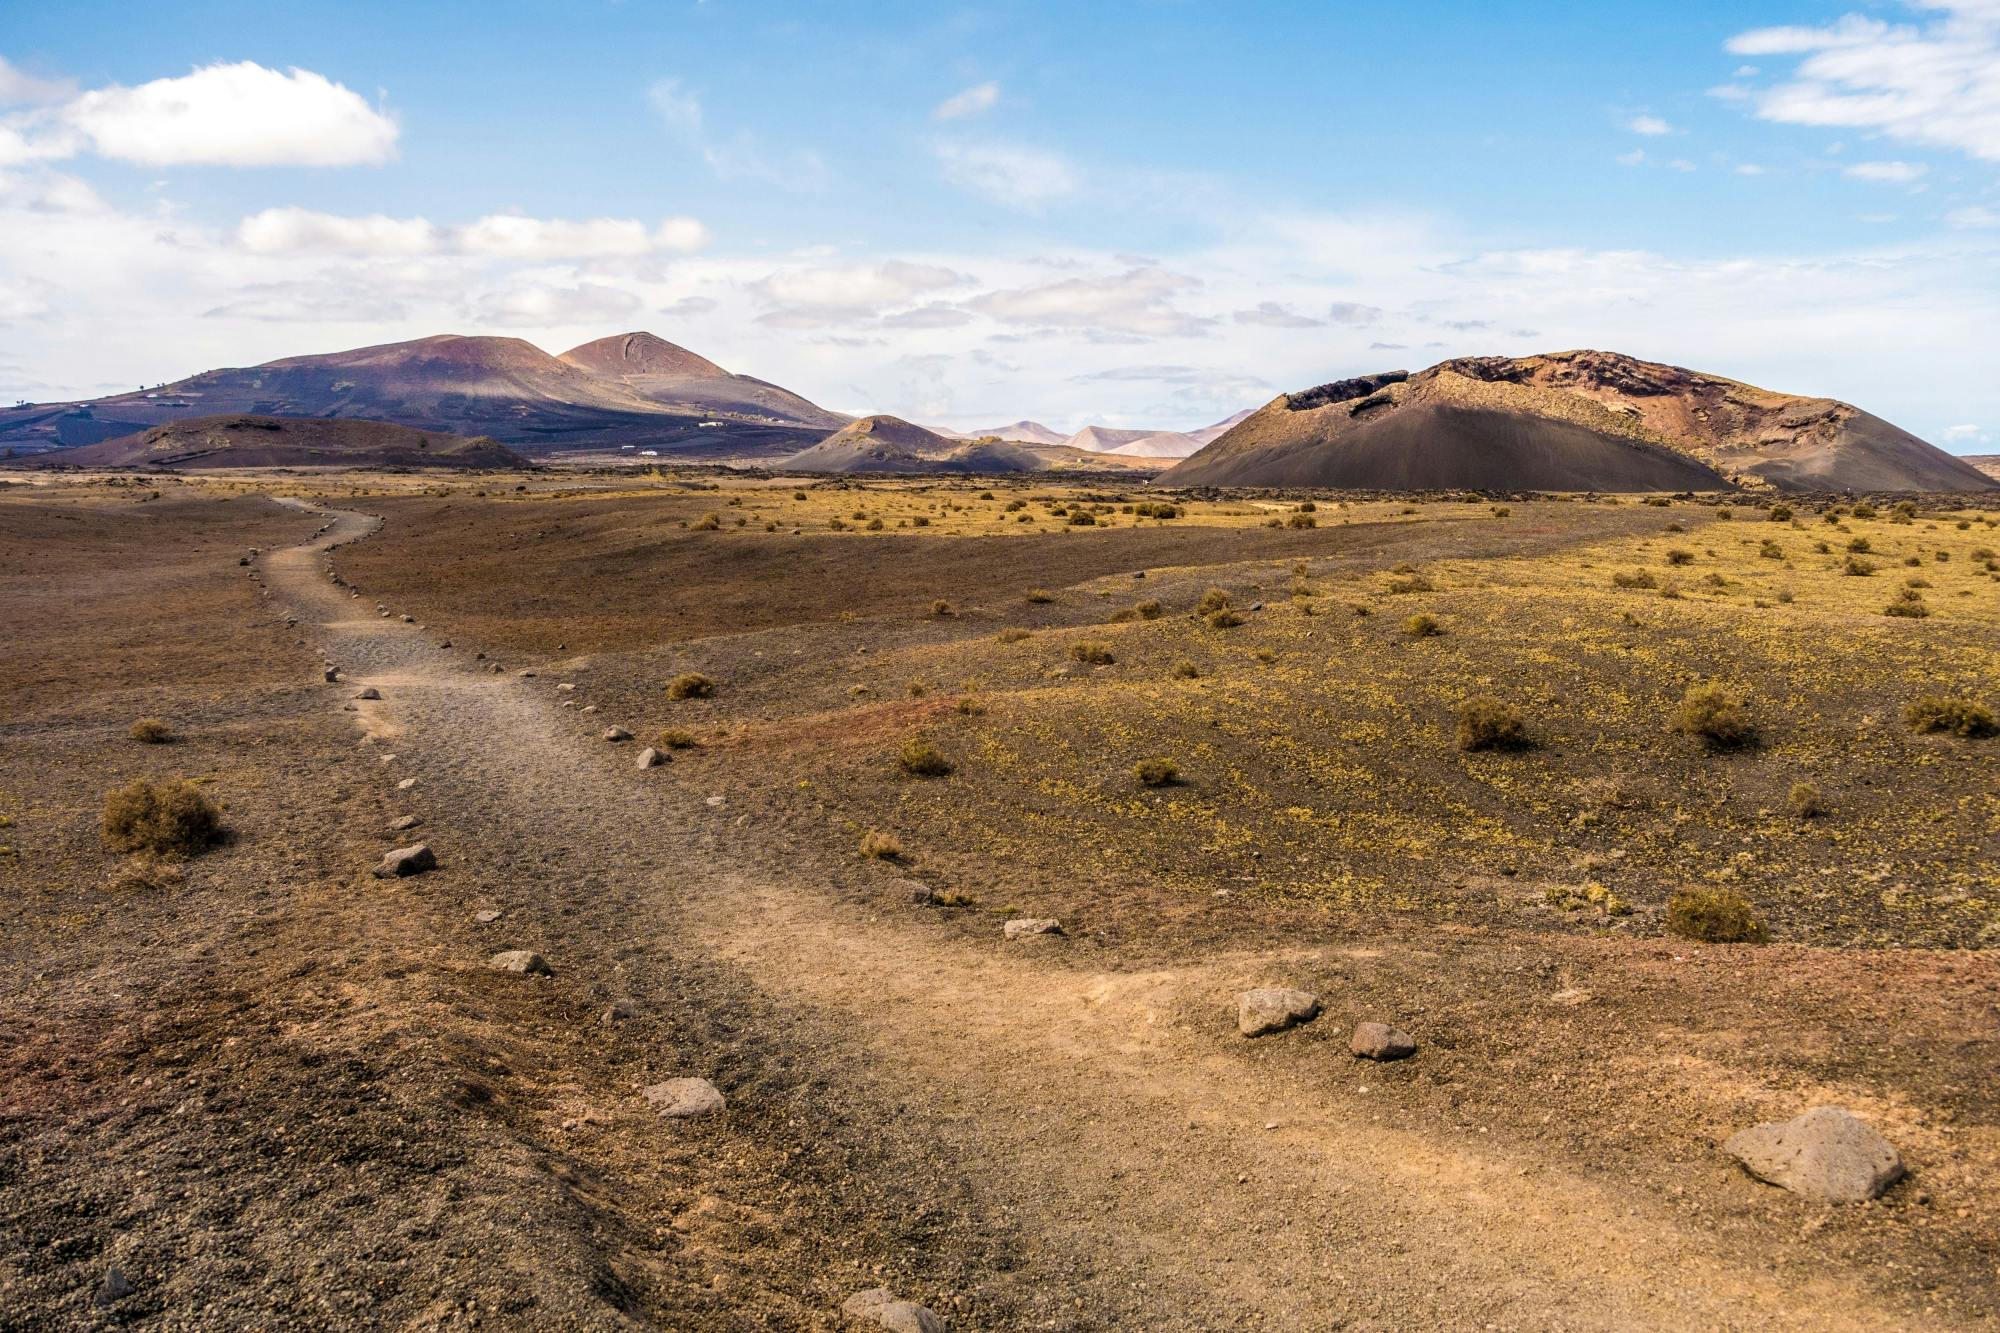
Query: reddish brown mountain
x=254, y=441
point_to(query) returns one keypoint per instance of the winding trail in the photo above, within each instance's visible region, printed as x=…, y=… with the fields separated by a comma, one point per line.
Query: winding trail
x=1106, y=1123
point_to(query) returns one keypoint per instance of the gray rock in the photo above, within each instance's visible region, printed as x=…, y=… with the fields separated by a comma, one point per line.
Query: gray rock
x=566, y=686
x=486, y=916
x=1273, y=1009
x=684, y=1098
x=404, y=861
x=620, y=1011
x=1828, y=1155
x=648, y=758
x=522, y=962
x=880, y=1308
x=616, y=734
x=406, y=784
x=1379, y=1041
x=404, y=823
x=114, y=1288
x=1023, y=926
x=368, y=692
x=920, y=893
x=331, y=674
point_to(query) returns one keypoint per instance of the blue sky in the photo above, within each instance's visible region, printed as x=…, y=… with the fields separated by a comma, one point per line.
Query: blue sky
x=1135, y=214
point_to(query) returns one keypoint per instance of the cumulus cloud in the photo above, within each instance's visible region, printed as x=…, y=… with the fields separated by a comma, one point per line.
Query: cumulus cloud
x=541, y=305
x=854, y=285
x=1648, y=125
x=980, y=97
x=1353, y=312
x=1028, y=179
x=20, y=88
x=1885, y=173
x=1138, y=303
x=936, y=315
x=1273, y=315
x=1931, y=83
x=1973, y=216
x=496, y=236
x=240, y=115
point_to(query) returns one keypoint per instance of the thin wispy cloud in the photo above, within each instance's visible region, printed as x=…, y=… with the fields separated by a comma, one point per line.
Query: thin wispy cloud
x=974, y=100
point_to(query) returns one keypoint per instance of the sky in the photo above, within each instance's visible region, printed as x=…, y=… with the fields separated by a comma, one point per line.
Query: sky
x=1130, y=214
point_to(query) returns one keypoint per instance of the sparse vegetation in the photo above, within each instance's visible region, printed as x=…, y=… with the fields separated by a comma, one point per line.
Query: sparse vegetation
x=1422, y=625
x=1488, y=724
x=1092, y=653
x=673, y=738
x=168, y=817
x=920, y=759
x=1637, y=578
x=1958, y=717
x=1804, y=801
x=1156, y=772
x=1715, y=915
x=690, y=685
x=1715, y=714
x=151, y=731
x=879, y=846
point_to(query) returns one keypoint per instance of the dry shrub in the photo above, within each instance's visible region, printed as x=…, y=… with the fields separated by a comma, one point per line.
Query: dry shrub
x=1489, y=724
x=1715, y=915
x=164, y=816
x=1959, y=717
x=970, y=705
x=1092, y=653
x=1301, y=521
x=1679, y=557
x=1422, y=626
x=1215, y=599
x=690, y=685
x=940, y=608
x=1186, y=670
x=1222, y=619
x=151, y=731
x=1637, y=578
x=1804, y=801
x=708, y=523
x=1014, y=634
x=920, y=759
x=145, y=874
x=1414, y=583
x=673, y=738
x=1038, y=596
x=1157, y=772
x=879, y=846
x=1715, y=714
x=1857, y=567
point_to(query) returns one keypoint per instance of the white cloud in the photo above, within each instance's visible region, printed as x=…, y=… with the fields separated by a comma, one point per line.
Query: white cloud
x=855, y=285
x=1933, y=84
x=1024, y=178
x=497, y=236
x=1138, y=303
x=20, y=88
x=1885, y=173
x=1973, y=216
x=1273, y=315
x=1648, y=125
x=980, y=97
x=543, y=305
x=1967, y=433
x=1633, y=158
x=240, y=115
x=737, y=156
x=1749, y=169
x=292, y=230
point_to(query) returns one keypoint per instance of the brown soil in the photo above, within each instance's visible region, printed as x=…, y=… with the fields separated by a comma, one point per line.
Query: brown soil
x=282, y=1093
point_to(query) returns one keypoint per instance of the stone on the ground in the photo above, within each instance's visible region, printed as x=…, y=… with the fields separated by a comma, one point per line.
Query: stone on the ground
x=880, y=1307
x=404, y=823
x=1273, y=1009
x=523, y=962
x=566, y=686
x=412, y=860
x=590, y=708
x=486, y=916
x=114, y=1288
x=1379, y=1041
x=920, y=893
x=1023, y=926
x=618, y=1011
x=1828, y=1155
x=331, y=675
x=616, y=734
x=649, y=758
x=409, y=620
x=406, y=784
x=527, y=672
x=368, y=692
x=683, y=1098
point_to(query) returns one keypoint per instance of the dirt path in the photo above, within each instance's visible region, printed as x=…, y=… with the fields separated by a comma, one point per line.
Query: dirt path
x=1125, y=1164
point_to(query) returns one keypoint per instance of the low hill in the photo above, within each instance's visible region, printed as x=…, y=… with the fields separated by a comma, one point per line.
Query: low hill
x=1987, y=463
x=259, y=441
x=1579, y=420
x=1020, y=432
x=891, y=444
x=661, y=372
x=1160, y=444
x=505, y=388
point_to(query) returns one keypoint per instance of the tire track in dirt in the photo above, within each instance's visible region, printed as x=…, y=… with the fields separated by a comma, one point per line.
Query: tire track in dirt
x=1119, y=1166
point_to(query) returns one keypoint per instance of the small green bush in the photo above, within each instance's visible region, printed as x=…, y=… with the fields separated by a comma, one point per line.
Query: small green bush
x=1716, y=715
x=1489, y=724
x=690, y=685
x=1715, y=915
x=920, y=759
x=1959, y=717
x=164, y=816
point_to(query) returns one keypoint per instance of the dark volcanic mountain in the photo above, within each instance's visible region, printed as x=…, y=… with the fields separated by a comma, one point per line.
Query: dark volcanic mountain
x=500, y=387
x=672, y=376
x=250, y=441
x=891, y=444
x=1567, y=421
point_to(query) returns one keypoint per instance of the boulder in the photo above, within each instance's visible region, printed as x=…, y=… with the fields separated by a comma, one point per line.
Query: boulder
x=486, y=916
x=404, y=823
x=521, y=962
x=878, y=1306
x=331, y=674
x=1828, y=1155
x=368, y=692
x=1273, y=1009
x=920, y=893
x=648, y=758
x=1023, y=926
x=684, y=1098
x=615, y=734
x=404, y=861
x=1379, y=1041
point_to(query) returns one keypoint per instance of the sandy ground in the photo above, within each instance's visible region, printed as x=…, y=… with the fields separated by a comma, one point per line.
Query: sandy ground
x=1018, y=1134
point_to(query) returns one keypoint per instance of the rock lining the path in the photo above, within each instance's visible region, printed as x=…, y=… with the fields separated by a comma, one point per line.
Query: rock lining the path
x=684, y=1098
x=1273, y=1009
x=368, y=692
x=405, y=861
x=1828, y=1155
x=521, y=962
x=648, y=758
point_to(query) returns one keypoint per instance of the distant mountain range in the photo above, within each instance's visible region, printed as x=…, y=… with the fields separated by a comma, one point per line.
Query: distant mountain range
x=1123, y=442
x=1581, y=420
x=254, y=441
x=627, y=389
